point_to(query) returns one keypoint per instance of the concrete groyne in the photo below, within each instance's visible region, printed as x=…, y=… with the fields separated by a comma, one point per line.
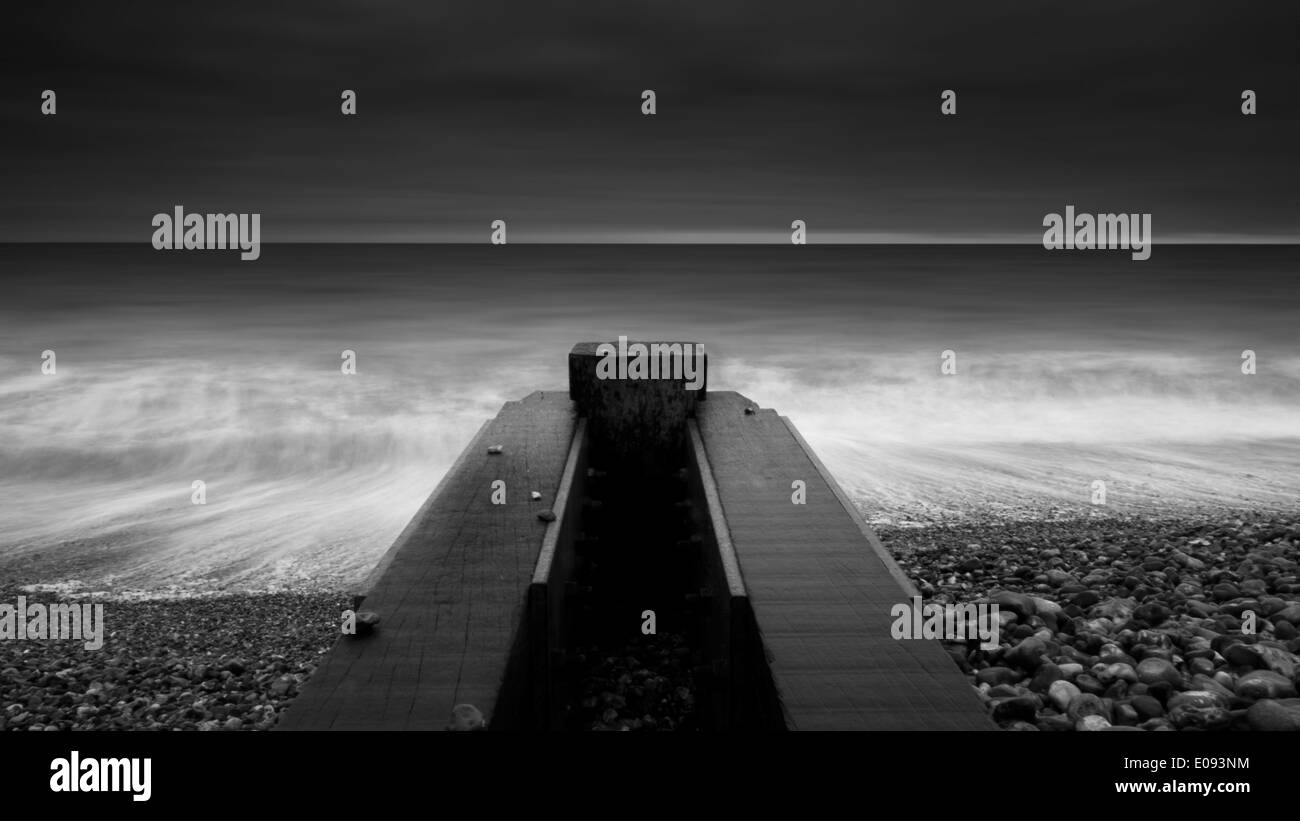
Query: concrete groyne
x=626, y=496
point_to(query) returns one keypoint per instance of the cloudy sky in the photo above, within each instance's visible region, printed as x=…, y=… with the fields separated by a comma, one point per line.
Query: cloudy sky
x=767, y=112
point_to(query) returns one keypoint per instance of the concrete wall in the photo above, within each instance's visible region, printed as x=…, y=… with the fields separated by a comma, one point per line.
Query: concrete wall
x=741, y=692
x=544, y=634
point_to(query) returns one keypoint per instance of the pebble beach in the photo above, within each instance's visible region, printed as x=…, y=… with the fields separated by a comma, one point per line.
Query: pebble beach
x=1107, y=623
x=1124, y=623
x=198, y=663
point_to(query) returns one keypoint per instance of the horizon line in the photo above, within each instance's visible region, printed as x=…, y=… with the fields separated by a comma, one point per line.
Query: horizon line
x=1209, y=240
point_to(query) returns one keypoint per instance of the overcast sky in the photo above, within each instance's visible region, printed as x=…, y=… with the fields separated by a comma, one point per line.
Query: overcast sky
x=767, y=112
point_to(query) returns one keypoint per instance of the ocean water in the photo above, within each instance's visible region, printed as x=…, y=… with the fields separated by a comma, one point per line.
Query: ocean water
x=176, y=367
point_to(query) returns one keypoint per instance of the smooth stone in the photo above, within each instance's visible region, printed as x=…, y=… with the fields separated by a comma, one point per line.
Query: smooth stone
x=1070, y=669
x=1020, y=726
x=1205, y=718
x=1019, y=603
x=1277, y=659
x=1224, y=591
x=465, y=717
x=1020, y=708
x=1085, y=704
x=1285, y=630
x=1116, y=691
x=1212, y=685
x=1056, y=578
x=1147, y=707
x=1259, y=684
x=1062, y=694
x=996, y=675
x=1271, y=605
x=1118, y=657
x=1085, y=599
x=1091, y=723
x=1152, y=670
x=1028, y=654
x=1088, y=684
x=1155, y=639
x=281, y=686
x=1228, y=624
x=1243, y=655
x=1254, y=587
x=1197, y=698
x=1274, y=715
x=1055, y=723
x=1126, y=714
x=1198, y=709
x=1141, y=652
x=1152, y=614
x=1046, y=675
x=1116, y=609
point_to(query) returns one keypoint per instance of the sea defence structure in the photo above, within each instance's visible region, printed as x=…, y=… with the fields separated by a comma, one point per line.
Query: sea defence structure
x=574, y=513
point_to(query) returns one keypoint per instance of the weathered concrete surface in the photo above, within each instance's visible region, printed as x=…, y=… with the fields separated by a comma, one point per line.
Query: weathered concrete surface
x=820, y=590
x=453, y=590
x=638, y=421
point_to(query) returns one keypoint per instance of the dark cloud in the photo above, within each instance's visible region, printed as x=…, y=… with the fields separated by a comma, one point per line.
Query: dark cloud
x=768, y=111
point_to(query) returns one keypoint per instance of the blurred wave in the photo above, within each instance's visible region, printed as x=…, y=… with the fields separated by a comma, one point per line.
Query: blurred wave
x=233, y=379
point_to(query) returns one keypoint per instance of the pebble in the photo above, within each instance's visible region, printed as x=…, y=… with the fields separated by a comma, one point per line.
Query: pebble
x=1071, y=669
x=1200, y=710
x=1085, y=704
x=1044, y=678
x=176, y=664
x=1091, y=723
x=1062, y=694
x=1020, y=604
x=997, y=675
x=1021, y=708
x=1259, y=684
x=1243, y=655
x=1028, y=654
x=1153, y=670
x=1147, y=707
x=465, y=718
x=1274, y=715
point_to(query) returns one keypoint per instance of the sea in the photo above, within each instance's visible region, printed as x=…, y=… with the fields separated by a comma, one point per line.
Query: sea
x=1063, y=369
